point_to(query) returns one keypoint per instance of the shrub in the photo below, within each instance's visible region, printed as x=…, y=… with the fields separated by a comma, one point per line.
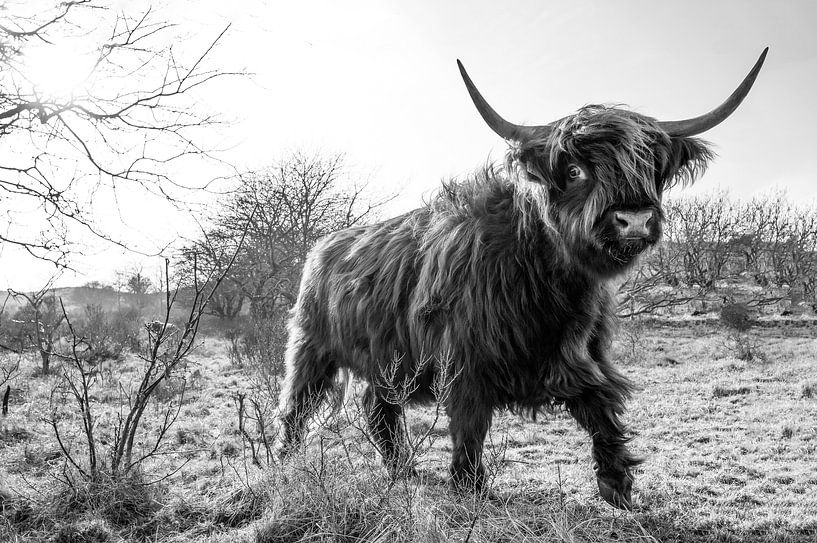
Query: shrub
x=261, y=351
x=631, y=340
x=265, y=343
x=104, y=340
x=126, y=328
x=736, y=316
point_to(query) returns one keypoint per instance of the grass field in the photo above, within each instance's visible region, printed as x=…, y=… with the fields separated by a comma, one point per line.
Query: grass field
x=730, y=449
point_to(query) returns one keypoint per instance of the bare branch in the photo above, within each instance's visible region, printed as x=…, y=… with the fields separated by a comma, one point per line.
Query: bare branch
x=127, y=124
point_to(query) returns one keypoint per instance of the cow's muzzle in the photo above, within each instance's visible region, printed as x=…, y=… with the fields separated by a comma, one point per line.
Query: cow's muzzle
x=635, y=225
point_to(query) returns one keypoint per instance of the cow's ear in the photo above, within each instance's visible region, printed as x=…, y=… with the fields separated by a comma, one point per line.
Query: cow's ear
x=687, y=161
x=535, y=164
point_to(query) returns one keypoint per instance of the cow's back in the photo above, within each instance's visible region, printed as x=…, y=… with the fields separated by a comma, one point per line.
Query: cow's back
x=356, y=292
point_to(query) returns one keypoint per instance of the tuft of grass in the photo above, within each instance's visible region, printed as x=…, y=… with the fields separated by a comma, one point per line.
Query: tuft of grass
x=725, y=391
x=122, y=502
x=14, y=433
x=14, y=510
x=238, y=508
x=284, y=528
x=809, y=390
x=83, y=532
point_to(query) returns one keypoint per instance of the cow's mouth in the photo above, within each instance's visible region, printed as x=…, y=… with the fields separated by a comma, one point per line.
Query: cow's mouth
x=624, y=250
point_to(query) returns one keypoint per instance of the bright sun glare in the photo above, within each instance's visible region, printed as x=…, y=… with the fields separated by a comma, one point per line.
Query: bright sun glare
x=57, y=72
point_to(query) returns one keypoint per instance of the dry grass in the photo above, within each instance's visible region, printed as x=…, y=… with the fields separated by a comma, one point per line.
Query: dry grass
x=730, y=447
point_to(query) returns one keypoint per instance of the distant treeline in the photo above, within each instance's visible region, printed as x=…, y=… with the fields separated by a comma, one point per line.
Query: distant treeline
x=716, y=251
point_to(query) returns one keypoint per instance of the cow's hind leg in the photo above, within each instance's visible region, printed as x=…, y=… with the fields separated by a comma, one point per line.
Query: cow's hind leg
x=310, y=377
x=598, y=412
x=383, y=418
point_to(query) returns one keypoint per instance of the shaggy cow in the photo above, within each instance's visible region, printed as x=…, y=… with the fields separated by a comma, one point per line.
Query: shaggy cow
x=506, y=278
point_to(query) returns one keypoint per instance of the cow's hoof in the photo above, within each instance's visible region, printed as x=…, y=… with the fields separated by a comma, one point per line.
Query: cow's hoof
x=468, y=481
x=467, y=490
x=617, y=491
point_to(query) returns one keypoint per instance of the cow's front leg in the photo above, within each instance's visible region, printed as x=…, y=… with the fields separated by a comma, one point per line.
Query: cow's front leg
x=470, y=418
x=598, y=412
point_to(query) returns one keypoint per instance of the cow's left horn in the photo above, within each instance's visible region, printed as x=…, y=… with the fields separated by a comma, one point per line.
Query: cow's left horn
x=698, y=125
x=505, y=129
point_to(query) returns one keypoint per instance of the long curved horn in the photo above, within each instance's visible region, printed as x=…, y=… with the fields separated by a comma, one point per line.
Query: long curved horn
x=505, y=129
x=698, y=125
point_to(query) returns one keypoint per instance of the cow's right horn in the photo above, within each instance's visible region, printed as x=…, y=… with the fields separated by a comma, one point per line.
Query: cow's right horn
x=505, y=129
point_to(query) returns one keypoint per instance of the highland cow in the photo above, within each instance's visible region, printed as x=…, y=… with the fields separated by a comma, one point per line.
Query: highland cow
x=507, y=276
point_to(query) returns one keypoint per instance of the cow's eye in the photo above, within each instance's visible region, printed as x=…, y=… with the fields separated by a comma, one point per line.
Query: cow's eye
x=575, y=173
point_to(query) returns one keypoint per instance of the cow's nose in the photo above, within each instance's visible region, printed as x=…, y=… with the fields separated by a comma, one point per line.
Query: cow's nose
x=633, y=224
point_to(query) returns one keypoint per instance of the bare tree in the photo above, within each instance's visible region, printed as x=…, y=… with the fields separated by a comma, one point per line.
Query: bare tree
x=655, y=286
x=41, y=320
x=802, y=253
x=706, y=226
x=297, y=201
x=210, y=252
x=764, y=220
x=124, y=125
x=139, y=283
x=781, y=245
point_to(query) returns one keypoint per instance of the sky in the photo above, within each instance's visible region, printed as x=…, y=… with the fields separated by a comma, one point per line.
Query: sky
x=377, y=80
